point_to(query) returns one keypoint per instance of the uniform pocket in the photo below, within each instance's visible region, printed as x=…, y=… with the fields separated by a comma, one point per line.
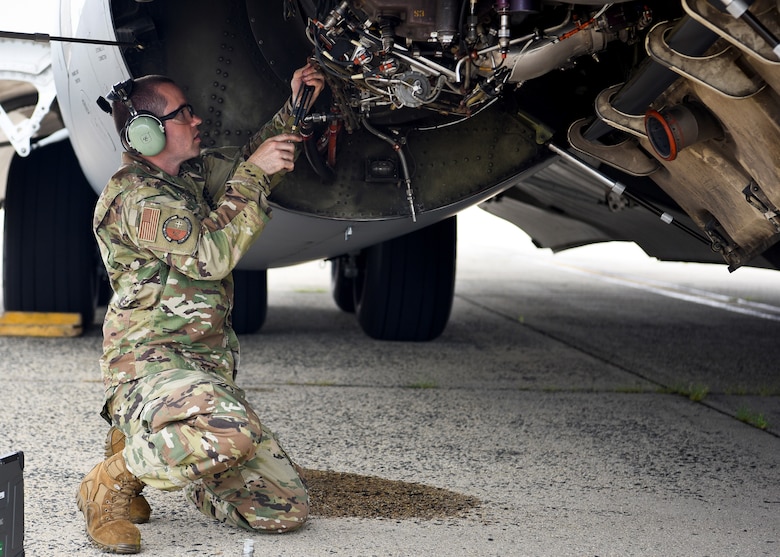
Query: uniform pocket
x=167, y=420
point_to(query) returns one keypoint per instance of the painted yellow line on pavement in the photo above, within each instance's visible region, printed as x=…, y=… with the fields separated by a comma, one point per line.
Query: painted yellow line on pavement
x=40, y=324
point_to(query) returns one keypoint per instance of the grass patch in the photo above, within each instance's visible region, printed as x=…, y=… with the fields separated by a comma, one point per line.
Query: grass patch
x=698, y=392
x=752, y=418
x=768, y=391
x=322, y=383
x=695, y=392
x=423, y=385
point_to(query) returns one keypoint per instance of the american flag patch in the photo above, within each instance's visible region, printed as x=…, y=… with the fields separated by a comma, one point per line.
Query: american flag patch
x=150, y=219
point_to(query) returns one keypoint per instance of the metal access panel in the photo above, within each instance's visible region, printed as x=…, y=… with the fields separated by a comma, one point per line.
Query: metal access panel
x=12, y=505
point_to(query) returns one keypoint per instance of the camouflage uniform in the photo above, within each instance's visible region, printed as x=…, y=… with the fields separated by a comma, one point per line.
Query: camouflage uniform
x=169, y=353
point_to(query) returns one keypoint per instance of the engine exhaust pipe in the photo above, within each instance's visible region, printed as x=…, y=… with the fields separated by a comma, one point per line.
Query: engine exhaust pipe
x=674, y=128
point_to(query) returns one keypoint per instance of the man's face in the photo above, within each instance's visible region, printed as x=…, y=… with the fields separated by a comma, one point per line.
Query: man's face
x=182, y=138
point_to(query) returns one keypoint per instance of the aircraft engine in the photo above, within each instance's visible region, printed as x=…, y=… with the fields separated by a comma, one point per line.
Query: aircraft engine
x=392, y=55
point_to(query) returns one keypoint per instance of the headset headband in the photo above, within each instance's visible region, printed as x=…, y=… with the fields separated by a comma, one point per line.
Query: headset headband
x=143, y=132
x=121, y=92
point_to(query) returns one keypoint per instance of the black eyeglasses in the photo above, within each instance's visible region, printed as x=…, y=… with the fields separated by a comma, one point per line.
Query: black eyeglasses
x=178, y=115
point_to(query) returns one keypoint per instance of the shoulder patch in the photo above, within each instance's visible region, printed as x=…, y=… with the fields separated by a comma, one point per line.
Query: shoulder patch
x=147, y=229
x=177, y=229
x=169, y=229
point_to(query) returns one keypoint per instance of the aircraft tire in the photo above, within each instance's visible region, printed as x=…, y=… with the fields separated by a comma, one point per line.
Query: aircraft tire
x=341, y=287
x=407, y=284
x=51, y=260
x=250, y=305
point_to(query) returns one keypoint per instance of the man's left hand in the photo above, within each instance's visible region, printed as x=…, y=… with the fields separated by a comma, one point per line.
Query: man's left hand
x=307, y=75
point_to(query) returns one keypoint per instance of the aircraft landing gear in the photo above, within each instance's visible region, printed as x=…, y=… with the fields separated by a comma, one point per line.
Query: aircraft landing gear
x=343, y=271
x=404, y=287
x=250, y=305
x=50, y=261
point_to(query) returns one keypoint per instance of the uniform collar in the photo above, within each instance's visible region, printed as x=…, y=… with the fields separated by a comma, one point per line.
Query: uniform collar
x=129, y=159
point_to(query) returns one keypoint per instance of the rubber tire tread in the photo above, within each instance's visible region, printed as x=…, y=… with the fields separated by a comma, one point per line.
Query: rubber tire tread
x=342, y=288
x=250, y=305
x=50, y=260
x=408, y=285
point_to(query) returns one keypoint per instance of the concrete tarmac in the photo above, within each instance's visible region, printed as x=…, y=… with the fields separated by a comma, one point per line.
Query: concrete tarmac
x=591, y=407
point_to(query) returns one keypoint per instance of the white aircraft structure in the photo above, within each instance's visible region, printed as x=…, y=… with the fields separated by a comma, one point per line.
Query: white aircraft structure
x=653, y=122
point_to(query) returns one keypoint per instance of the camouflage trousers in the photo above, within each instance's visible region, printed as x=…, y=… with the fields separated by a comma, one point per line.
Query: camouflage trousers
x=193, y=430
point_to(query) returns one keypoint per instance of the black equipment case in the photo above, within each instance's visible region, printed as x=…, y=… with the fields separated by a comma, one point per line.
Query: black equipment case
x=11, y=505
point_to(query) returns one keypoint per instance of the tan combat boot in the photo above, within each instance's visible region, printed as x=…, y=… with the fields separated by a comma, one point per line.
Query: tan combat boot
x=104, y=498
x=140, y=511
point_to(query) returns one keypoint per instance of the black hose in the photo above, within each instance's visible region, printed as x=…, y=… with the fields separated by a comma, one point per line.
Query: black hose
x=313, y=156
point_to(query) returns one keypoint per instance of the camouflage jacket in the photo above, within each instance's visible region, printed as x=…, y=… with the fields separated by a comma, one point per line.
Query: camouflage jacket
x=170, y=252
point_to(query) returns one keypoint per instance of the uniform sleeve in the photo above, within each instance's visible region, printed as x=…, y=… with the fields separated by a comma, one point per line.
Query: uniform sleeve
x=199, y=247
x=280, y=123
x=216, y=165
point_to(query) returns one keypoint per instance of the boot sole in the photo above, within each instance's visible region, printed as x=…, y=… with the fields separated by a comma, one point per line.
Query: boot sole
x=121, y=549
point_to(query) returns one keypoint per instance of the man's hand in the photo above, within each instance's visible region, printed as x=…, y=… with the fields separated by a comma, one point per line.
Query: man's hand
x=307, y=75
x=276, y=153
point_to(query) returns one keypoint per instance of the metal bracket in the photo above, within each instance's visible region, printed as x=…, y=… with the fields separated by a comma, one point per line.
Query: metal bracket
x=723, y=244
x=29, y=62
x=617, y=202
x=758, y=199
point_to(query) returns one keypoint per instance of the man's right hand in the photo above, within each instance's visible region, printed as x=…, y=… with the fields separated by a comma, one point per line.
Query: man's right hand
x=276, y=153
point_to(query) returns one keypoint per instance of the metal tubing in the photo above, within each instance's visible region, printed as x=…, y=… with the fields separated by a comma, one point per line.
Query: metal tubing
x=689, y=38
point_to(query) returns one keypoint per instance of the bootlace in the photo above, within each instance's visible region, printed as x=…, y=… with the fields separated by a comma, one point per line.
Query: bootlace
x=117, y=507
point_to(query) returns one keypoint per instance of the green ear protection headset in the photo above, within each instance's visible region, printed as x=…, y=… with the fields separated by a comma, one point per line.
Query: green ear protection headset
x=143, y=132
